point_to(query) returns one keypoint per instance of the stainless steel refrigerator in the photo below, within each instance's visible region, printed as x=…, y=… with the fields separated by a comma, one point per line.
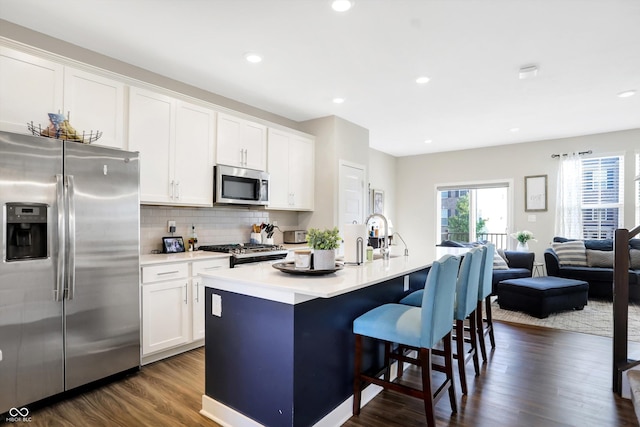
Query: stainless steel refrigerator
x=69, y=274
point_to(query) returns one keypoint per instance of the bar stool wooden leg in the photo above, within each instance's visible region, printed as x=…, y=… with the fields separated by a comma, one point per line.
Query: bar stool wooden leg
x=490, y=321
x=425, y=364
x=474, y=343
x=356, y=375
x=448, y=368
x=460, y=355
x=480, y=331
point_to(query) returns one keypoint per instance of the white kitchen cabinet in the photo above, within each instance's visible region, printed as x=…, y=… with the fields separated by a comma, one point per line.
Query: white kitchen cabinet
x=175, y=141
x=173, y=306
x=165, y=315
x=197, y=296
x=95, y=103
x=241, y=143
x=291, y=169
x=32, y=87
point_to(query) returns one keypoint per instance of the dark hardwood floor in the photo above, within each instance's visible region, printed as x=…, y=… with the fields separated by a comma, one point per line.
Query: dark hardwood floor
x=535, y=377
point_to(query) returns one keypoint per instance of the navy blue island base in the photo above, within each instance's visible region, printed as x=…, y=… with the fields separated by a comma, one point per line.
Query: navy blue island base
x=290, y=364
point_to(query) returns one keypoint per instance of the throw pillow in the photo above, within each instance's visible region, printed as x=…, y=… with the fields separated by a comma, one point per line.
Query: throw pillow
x=634, y=259
x=571, y=253
x=599, y=258
x=498, y=262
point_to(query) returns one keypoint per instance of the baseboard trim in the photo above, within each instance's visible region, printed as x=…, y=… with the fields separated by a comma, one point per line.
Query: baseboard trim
x=228, y=417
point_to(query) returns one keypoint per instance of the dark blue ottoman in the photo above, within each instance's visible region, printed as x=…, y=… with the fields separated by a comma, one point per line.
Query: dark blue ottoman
x=541, y=296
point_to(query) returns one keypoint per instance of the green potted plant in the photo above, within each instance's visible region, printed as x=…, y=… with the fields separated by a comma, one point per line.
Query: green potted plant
x=324, y=244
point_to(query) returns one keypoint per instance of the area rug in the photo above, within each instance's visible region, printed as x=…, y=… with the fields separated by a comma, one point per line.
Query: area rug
x=596, y=318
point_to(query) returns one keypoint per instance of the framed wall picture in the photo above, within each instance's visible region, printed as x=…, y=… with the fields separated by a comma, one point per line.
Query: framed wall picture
x=535, y=193
x=377, y=201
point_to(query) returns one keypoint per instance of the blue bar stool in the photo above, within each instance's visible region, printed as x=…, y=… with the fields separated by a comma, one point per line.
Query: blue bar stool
x=466, y=300
x=416, y=328
x=484, y=294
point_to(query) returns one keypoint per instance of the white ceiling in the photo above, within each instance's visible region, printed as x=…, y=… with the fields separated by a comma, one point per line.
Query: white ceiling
x=587, y=52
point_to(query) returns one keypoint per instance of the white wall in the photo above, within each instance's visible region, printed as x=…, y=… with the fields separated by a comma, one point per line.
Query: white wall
x=382, y=176
x=336, y=139
x=417, y=177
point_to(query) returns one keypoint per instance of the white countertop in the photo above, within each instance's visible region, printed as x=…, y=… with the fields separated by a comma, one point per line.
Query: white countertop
x=150, y=259
x=264, y=281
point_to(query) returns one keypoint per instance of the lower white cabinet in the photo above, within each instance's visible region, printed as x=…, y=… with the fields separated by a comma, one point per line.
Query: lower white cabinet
x=197, y=287
x=165, y=315
x=173, y=307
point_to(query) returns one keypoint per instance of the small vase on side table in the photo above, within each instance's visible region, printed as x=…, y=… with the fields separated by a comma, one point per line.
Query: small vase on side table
x=522, y=247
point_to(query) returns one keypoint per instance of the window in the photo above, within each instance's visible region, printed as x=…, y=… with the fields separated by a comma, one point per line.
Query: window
x=474, y=212
x=602, y=196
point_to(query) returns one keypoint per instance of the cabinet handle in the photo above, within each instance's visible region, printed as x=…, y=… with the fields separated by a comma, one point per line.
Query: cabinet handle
x=213, y=268
x=185, y=294
x=178, y=190
x=197, y=291
x=172, y=189
x=167, y=272
x=242, y=157
x=245, y=157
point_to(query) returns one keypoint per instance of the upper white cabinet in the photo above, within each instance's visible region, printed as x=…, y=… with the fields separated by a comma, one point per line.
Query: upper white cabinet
x=32, y=87
x=175, y=141
x=291, y=171
x=241, y=143
x=95, y=103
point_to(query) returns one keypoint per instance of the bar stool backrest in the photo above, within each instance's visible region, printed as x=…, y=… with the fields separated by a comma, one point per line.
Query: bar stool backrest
x=437, y=300
x=466, y=299
x=486, y=272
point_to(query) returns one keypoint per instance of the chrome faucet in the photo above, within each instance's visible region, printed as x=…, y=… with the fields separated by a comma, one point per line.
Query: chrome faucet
x=406, y=249
x=384, y=249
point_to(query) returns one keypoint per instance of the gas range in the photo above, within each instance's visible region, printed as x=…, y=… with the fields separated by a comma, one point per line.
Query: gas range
x=244, y=253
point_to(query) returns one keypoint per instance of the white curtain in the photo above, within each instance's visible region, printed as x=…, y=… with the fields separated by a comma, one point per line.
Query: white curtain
x=569, y=198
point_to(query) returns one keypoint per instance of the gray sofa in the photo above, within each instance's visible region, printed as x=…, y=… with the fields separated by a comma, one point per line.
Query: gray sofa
x=598, y=274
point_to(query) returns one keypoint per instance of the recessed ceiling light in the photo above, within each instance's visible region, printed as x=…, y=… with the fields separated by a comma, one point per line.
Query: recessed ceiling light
x=627, y=93
x=254, y=58
x=341, y=5
x=428, y=141
x=422, y=80
x=528, y=72
x=338, y=100
x=514, y=129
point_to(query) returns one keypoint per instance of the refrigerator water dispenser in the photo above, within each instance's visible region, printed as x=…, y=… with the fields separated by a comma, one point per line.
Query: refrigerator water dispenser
x=26, y=231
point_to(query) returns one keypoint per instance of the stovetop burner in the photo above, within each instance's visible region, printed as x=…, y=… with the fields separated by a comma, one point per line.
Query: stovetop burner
x=245, y=253
x=241, y=248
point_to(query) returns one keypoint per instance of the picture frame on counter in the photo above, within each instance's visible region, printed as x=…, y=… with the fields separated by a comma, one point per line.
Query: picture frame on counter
x=172, y=245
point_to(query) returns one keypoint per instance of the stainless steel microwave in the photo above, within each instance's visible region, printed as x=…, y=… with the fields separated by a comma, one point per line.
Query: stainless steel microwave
x=240, y=186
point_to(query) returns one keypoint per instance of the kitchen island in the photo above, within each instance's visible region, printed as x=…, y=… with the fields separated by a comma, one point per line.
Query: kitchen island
x=279, y=347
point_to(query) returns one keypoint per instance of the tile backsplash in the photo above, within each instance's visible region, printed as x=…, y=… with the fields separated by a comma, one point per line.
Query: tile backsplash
x=217, y=225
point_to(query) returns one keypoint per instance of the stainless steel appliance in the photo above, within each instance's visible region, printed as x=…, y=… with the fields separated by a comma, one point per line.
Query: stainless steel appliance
x=69, y=276
x=295, y=236
x=246, y=253
x=239, y=186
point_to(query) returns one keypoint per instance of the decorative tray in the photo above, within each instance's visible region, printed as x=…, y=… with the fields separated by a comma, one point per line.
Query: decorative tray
x=290, y=267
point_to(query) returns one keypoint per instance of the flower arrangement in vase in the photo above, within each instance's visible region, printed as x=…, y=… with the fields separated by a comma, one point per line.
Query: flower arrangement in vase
x=523, y=237
x=324, y=244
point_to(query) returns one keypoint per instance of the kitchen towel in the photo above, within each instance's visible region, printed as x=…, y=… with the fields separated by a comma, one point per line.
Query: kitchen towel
x=351, y=234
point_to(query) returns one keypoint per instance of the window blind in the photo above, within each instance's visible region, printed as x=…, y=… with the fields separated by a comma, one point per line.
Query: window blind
x=602, y=196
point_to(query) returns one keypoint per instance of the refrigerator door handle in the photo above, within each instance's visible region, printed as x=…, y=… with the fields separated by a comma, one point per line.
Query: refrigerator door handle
x=59, y=288
x=71, y=248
